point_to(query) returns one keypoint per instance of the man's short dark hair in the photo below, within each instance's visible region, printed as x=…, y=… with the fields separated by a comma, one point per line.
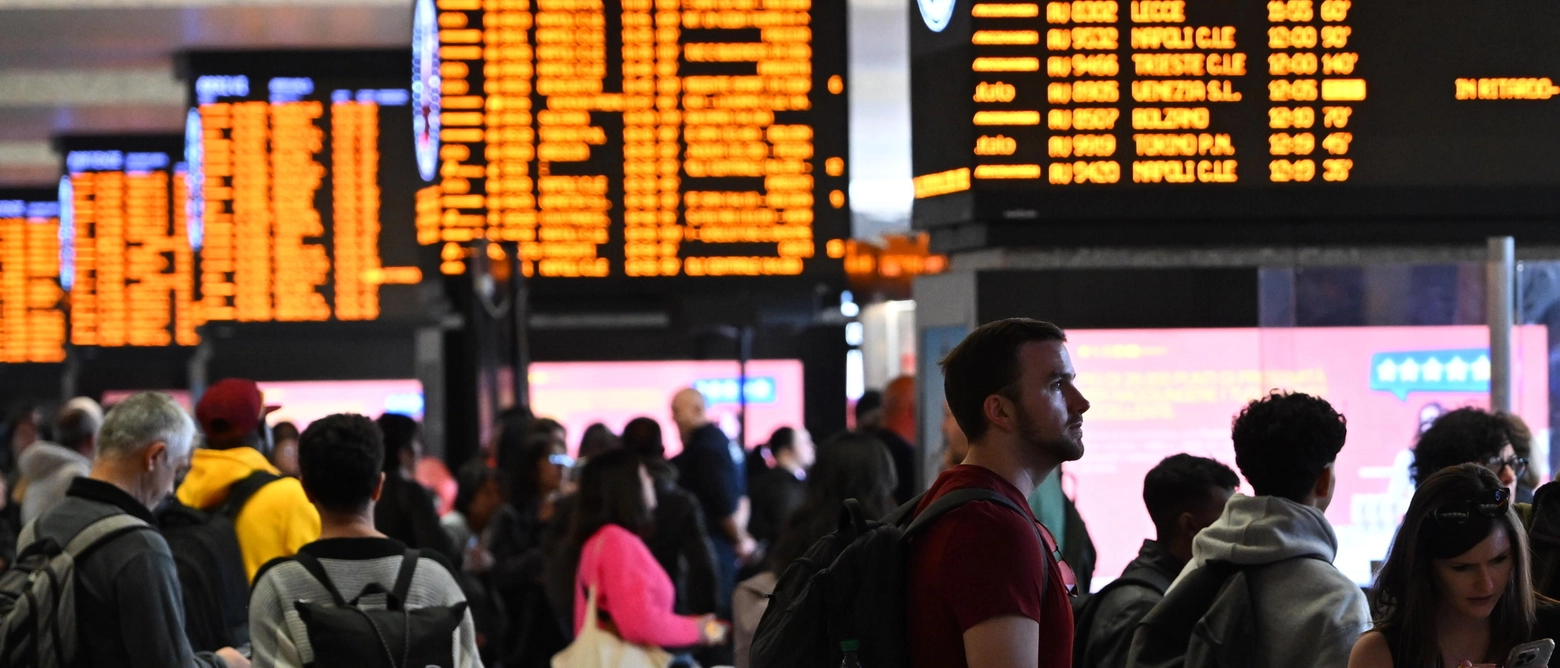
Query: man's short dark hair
x=986, y=363
x=782, y=440
x=1285, y=440
x=399, y=432
x=339, y=457
x=1182, y=483
x=75, y=428
x=1464, y=436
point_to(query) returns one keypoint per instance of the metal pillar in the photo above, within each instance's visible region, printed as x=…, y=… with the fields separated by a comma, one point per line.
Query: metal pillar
x=1500, y=274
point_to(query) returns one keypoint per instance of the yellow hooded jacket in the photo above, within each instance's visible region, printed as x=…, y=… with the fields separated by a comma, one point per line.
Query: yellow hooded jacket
x=275, y=522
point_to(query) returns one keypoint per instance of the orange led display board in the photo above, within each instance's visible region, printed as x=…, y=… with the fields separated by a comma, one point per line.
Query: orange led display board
x=32, y=318
x=302, y=185
x=634, y=138
x=127, y=261
x=1054, y=110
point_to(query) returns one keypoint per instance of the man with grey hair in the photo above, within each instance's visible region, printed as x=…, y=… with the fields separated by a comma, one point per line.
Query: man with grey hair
x=47, y=468
x=128, y=600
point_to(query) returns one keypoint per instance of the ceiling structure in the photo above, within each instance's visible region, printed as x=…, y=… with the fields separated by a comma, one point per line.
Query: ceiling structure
x=106, y=66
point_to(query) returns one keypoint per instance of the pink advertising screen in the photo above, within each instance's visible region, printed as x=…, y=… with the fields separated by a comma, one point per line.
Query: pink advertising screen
x=1155, y=393
x=612, y=393
x=303, y=402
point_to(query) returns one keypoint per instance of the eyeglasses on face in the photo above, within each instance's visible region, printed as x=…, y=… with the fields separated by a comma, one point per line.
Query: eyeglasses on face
x=1517, y=464
x=1457, y=513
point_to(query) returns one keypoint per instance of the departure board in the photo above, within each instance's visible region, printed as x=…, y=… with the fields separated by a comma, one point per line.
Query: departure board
x=634, y=138
x=32, y=320
x=125, y=256
x=1293, y=109
x=302, y=185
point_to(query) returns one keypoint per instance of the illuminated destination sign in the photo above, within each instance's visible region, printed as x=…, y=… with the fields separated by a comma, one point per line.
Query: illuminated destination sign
x=1201, y=109
x=636, y=138
x=32, y=322
x=301, y=185
x=126, y=257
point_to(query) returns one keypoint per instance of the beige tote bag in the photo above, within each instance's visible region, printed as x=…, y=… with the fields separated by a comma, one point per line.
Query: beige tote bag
x=596, y=647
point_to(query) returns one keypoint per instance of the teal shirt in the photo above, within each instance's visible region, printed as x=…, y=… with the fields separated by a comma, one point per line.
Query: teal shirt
x=1047, y=503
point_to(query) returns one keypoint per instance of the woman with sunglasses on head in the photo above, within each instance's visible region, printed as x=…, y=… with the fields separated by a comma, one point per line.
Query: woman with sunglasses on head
x=1456, y=589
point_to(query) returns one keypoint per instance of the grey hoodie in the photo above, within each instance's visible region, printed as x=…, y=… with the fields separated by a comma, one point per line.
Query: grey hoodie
x=47, y=469
x=1308, y=613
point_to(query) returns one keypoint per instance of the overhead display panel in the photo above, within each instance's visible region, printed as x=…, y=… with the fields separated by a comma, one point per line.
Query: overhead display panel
x=1194, y=109
x=32, y=320
x=125, y=253
x=634, y=138
x=302, y=185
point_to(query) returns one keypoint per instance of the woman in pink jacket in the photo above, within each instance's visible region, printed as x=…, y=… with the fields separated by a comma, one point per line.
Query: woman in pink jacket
x=634, y=594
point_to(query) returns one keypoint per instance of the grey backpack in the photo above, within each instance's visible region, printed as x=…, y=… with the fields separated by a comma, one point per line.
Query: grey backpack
x=38, y=594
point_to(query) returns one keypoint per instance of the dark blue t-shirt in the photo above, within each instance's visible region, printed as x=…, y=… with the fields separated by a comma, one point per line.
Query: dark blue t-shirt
x=712, y=466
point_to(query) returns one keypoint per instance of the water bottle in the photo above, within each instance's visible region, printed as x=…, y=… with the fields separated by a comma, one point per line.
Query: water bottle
x=850, y=648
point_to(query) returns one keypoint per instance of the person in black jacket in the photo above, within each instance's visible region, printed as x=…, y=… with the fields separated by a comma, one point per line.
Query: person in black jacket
x=680, y=541
x=129, y=610
x=780, y=490
x=1184, y=494
x=519, y=558
x=407, y=511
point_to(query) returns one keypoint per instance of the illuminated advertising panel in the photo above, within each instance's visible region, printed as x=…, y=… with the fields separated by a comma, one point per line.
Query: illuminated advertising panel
x=641, y=138
x=1155, y=393
x=300, y=194
x=579, y=394
x=32, y=318
x=1178, y=109
x=126, y=257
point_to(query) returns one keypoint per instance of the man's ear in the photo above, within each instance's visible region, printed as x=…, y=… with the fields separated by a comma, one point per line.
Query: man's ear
x=1324, y=483
x=999, y=411
x=152, y=454
x=379, y=487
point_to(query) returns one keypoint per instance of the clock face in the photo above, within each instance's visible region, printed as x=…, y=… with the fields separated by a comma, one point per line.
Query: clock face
x=67, y=233
x=936, y=13
x=425, y=89
x=194, y=179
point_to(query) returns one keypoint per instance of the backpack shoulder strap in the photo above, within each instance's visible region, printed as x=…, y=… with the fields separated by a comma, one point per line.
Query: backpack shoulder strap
x=101, y=531
x=957, y=498
x=241, y=491
x=403, y=579
x=317, y=569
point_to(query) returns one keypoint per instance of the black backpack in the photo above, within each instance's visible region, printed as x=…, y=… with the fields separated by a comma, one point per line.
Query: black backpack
x=1086, y=607
x=847, y=594
x=1206, y=621
x=1543, y=520
x=377, y=629
x=211, y=566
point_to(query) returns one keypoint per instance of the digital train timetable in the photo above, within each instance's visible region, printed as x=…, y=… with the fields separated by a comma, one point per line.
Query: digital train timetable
x=636, y=139
x=1289, y=109
x=300, y=186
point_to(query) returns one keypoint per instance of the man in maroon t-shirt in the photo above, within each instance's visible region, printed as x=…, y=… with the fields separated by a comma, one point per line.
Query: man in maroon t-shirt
x=975, y=595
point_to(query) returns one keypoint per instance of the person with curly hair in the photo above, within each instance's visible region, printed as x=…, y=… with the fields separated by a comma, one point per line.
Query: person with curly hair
x=1307, y=613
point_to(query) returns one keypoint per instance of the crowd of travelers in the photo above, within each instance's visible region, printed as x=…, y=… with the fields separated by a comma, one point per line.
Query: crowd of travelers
x=150, y=537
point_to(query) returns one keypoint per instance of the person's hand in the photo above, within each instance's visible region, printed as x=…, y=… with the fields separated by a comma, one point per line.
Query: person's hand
x=232, y=658
x=712, y=631
x=478, y=559
x=746, y=547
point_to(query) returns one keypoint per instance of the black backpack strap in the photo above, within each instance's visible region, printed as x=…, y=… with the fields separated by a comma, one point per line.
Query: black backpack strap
x=315, y=568
x=959, y=497
x=241, y=491
x=403, y=579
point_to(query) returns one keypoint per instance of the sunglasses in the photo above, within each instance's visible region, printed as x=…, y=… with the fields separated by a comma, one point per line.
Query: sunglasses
x=1458, y=513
